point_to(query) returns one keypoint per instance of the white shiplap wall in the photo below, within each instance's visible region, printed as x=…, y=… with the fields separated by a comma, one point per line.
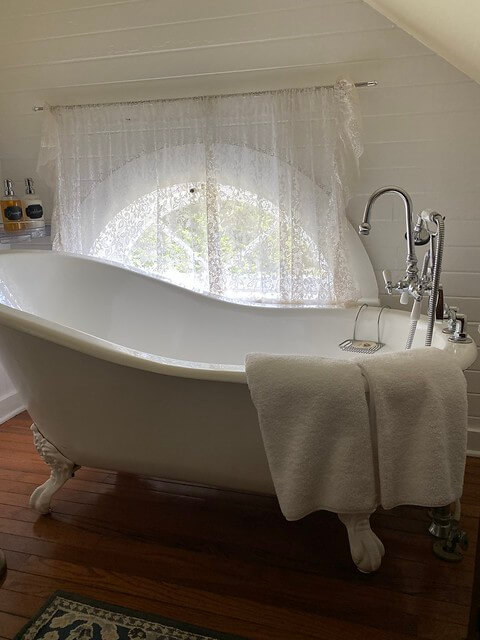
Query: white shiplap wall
x=422, y=123
x=10, y=402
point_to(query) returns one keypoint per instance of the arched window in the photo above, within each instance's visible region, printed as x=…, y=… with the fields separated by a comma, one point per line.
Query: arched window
x=166, y=233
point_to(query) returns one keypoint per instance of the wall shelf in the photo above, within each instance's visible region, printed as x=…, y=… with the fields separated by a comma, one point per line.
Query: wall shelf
x=31, y=239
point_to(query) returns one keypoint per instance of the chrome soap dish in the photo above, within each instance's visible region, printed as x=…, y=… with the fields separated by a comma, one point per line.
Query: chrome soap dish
x=363, y=346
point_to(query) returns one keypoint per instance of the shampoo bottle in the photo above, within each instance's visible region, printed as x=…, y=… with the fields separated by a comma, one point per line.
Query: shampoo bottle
x=12, y=210
x=33, y=207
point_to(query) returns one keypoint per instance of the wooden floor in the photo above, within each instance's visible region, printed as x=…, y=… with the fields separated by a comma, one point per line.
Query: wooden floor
x=221, y=559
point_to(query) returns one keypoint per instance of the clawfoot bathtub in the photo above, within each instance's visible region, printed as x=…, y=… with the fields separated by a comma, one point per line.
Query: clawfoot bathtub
x=125, y=372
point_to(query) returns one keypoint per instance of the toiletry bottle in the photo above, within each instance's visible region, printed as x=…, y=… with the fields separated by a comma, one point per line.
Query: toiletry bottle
x=33, y=207
x=12, y=210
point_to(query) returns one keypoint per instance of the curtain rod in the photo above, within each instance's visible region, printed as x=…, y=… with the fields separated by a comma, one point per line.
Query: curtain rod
x=369, y=83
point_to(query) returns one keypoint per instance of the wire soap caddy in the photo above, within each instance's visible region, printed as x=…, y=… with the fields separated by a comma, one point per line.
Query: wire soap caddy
x=363, y=346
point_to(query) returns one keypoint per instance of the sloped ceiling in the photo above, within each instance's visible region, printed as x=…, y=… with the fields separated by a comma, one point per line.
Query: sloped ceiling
x=451, y=28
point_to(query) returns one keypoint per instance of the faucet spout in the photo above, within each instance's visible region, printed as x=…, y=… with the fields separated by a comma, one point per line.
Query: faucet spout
x=365, y=226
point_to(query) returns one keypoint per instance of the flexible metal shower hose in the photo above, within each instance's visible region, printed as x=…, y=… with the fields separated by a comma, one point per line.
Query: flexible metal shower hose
x=437, y=269
x=411, y=334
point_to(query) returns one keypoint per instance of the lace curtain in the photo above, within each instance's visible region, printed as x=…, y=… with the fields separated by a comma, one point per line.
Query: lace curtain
x=239, y=196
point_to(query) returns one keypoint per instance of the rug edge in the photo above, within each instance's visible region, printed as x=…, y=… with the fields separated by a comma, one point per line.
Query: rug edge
x=151, y=617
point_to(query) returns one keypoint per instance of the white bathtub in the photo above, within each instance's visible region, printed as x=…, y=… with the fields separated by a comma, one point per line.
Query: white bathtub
x=126, y=372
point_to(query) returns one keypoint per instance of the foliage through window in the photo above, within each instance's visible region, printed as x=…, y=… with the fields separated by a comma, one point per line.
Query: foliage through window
x=172, y=241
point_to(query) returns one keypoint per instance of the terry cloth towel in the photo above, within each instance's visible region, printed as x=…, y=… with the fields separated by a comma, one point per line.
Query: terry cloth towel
x=315, y=427
x=418, y=402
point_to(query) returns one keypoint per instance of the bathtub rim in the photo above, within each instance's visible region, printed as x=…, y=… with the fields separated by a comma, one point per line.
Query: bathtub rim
x=91, y=345
x=83, y=342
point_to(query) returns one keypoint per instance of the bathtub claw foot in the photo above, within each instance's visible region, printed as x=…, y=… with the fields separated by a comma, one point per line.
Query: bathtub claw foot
x=366, y=548
x=61, y=469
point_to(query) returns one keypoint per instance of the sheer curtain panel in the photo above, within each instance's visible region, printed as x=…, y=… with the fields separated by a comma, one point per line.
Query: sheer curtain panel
x=238, y=196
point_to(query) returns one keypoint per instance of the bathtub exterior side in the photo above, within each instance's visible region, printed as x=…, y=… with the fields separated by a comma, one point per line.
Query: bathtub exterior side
x=105, y=415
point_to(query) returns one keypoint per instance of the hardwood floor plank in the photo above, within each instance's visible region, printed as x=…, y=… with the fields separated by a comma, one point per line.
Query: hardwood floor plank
x=358, y=601
x=19, y=604
x=431, y=629
x=165, y=529
x=396, y=575
x=313, y=594
x=11, y=624
x=222, y=559
x=221, y=613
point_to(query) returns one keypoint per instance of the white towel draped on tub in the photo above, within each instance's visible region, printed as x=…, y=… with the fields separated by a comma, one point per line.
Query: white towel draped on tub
x=326, y=452
x=418, y=403
x=315, y=428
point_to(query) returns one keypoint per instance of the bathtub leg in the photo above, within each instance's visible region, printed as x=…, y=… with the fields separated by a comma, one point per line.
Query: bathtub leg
x=367, y=550
x=61, y=469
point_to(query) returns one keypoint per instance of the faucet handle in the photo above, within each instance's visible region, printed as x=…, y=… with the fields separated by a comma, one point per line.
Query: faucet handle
x=449, y=313
x=459, y=334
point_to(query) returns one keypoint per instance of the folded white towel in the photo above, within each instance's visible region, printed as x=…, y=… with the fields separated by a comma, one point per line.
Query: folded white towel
x=315, y=427
x=418, y=403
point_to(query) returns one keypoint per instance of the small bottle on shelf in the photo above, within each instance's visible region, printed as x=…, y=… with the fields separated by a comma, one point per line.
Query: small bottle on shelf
x=12, y=209
x=33, y=207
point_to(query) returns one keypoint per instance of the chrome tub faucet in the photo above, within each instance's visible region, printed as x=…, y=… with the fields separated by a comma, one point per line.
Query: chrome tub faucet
x=411, y=274
x=412, y=284
x=417, y=285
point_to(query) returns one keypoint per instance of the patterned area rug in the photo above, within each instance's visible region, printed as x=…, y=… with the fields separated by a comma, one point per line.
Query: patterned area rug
x=70, y=617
